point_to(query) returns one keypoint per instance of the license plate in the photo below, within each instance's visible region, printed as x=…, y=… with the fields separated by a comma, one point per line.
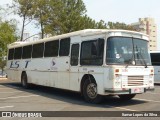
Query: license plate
x=137, y=90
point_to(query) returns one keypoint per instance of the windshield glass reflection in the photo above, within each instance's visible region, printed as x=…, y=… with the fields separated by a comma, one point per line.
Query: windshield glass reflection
x=123, y=50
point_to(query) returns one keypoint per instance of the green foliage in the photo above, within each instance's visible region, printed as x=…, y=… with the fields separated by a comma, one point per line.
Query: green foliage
x=7, y=36
x=22, y=7
x=57, y=17
x=118, y=25
x=61, y=16
x=2, y=64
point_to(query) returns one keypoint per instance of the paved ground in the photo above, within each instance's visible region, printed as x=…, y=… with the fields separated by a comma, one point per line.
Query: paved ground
x=14, y=98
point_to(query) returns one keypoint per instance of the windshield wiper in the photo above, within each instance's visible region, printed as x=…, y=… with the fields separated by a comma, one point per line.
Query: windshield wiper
x=130, y=60
x=139, y=53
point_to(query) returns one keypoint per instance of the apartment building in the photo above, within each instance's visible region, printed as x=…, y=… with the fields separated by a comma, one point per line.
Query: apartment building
x=149, y=27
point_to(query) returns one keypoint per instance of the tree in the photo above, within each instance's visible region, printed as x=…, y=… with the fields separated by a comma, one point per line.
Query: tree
x=7, y=36
x=53, y=17
x=2, y=65
x=119, y=25
x=61, y=16
x=66, y=16
x=22, y=8
x=41, y=13
x=86, y=22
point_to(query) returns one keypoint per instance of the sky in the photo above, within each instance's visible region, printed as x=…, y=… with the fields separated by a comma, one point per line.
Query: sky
x=127, y=11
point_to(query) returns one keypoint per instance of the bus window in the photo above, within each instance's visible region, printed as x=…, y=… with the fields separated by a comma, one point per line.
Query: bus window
x=38, y=50
x=11, y=54
x=27, y=52
x=64, y=47
x=74, y=54
x=155, y=59
x=92, y=52
x=51, y=48
x=18, y=53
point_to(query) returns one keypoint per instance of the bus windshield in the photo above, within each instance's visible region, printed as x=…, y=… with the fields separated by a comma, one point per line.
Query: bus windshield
x=127, y=51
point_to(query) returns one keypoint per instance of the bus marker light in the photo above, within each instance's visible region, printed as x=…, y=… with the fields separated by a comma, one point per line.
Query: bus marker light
x=152, y=71
x=123, y=88
x=116, y=70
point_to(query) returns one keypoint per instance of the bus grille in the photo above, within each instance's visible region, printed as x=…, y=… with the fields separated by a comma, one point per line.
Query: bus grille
x=135, y=80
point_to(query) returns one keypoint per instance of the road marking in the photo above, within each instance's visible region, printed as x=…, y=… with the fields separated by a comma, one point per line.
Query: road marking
x=19, y=97
x=10, y=92
x=4, y=88
x=6, y=107
x=122, y=108
x=152, y=93
x=146, y=100
x=8, y=87
x=156, y=88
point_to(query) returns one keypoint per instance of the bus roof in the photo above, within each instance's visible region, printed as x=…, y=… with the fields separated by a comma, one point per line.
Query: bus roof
x=84, y=32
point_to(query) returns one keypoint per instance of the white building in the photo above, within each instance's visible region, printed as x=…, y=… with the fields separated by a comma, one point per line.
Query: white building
x=149, y=27
x=26, y=36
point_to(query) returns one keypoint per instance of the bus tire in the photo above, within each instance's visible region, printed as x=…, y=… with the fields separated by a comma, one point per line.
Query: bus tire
x=90, y=92
x=24, y=81
x=127, y=96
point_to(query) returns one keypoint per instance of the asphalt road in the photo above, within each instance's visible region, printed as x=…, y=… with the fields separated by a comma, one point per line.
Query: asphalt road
x=15, y=98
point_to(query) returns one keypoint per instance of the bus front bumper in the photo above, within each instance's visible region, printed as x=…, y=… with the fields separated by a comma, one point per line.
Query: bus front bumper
x=128, y=91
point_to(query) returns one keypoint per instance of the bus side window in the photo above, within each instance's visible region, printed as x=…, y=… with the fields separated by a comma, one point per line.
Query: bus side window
x=11, y=54
x=38, y=50
x=64, y=47
x=74, y=54
x=155, y=57
x=92, y=52
x=18, y=53
x=51, y=48
x=27, y=52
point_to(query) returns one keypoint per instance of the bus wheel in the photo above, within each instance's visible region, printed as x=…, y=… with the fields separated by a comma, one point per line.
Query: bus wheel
x=24, y=80
x=90, y=92
x=127, y=96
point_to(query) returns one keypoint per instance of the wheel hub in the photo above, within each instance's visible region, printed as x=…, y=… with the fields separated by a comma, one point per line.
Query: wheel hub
x=92, y=90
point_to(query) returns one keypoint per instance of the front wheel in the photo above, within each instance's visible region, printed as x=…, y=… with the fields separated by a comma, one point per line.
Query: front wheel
x=90, y=92
x=127, y=96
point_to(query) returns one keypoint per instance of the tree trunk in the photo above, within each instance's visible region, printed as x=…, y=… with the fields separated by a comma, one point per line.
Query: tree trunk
x=24, y=19
x=42, y=30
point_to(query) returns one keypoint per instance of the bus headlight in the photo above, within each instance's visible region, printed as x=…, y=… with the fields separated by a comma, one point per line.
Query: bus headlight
x=117, y=81
x=151, y=80
x=117, y=77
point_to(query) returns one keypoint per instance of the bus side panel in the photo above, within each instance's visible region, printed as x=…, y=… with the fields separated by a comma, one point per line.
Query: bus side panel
x=108, y=78
x=14, y=70
x=156, y=74
x=40, y=71
x=97, y=73
x=74, y=78
x=63, y=73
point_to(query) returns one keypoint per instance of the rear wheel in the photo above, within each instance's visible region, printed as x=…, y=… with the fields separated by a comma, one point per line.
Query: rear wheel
x=24, y=81
x=90, y=92
x=127, y=97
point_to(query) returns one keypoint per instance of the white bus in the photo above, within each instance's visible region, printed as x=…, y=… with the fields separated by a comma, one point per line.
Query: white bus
x=155, y=59
x=94, y=62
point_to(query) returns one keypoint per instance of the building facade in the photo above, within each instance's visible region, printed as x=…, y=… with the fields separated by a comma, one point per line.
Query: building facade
x=149, y=27
x=26, y=36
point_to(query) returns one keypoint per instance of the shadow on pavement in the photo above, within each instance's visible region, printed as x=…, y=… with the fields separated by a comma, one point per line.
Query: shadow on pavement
x=70, y=96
